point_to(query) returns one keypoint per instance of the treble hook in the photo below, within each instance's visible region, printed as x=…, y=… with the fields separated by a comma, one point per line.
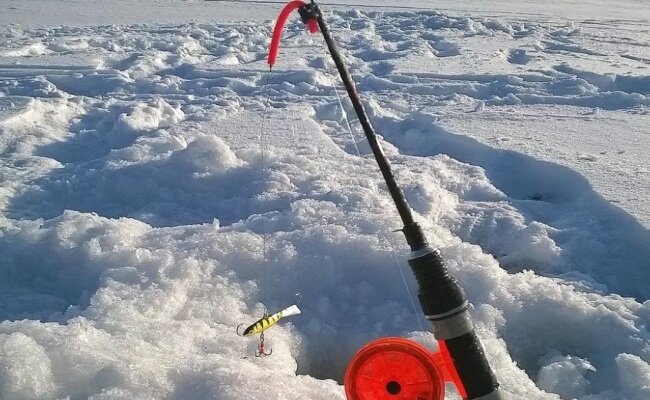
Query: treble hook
x=266, y=322
x=260, y=348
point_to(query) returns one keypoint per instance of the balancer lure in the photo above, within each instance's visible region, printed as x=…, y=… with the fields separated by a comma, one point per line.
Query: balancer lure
x=268, y=321
x=265, y=323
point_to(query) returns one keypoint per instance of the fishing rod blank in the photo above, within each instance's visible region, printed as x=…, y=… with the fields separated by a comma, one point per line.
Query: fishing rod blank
x=443, y=301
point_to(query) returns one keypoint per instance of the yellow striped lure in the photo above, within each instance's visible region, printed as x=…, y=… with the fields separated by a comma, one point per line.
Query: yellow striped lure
x=265, y=323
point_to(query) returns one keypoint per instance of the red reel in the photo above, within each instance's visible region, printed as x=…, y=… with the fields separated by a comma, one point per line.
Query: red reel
x=394, y=368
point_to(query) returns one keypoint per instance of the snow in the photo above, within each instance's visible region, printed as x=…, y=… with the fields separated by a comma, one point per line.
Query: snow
x=158, y=187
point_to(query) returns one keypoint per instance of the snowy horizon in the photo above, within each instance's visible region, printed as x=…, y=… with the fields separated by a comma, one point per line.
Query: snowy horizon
x=159, y=187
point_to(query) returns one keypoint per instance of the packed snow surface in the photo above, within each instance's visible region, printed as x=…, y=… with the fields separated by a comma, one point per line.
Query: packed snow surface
x=159, y=187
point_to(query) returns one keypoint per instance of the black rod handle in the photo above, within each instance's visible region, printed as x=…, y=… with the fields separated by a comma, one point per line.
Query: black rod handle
x=444, y=303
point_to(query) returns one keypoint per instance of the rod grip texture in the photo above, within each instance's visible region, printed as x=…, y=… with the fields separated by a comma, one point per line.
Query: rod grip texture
x=444, y=302
x=439, y=292
x=472, y=366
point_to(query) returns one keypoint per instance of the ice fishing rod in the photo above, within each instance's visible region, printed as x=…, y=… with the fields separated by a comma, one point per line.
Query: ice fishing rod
x=443, y=301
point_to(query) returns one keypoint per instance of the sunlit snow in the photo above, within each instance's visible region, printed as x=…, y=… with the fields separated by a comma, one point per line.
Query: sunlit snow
x=159, y=187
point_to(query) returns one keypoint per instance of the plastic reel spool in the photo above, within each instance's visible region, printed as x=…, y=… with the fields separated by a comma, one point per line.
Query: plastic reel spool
x=394, y=368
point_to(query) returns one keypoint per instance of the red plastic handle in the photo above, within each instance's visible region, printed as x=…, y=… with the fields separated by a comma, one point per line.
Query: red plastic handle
x=444, y=361
x=312, y=25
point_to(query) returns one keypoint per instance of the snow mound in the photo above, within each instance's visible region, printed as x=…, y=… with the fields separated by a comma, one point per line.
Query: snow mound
x=159, y=188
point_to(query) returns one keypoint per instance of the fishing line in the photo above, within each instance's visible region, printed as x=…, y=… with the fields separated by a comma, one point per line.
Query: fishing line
x=389, y=242
x=345, y=113
x=427, y=338
x=416, y=313
x=398, y=265
x=267, y=320
x=266, y=172
x=345, y=118
x=263, y=149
